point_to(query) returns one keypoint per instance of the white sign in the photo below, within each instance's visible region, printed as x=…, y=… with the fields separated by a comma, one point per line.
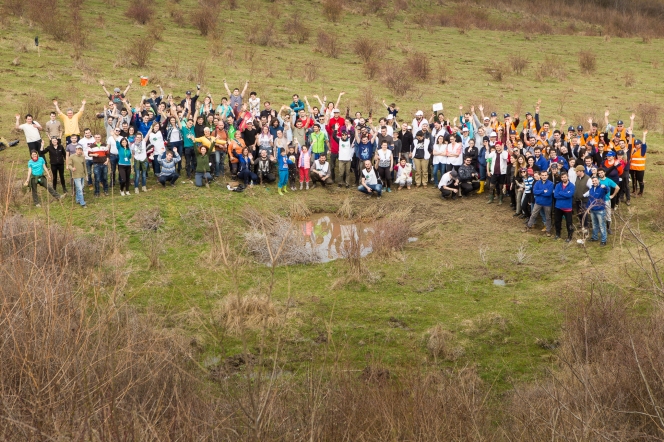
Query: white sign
x=437, y=107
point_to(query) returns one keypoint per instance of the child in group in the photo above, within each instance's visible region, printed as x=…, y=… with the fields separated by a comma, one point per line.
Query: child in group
x=284, y=162
x=292, y=166
x=527, y=199
x=404, y=174
x=254, y=105
x=304, y=164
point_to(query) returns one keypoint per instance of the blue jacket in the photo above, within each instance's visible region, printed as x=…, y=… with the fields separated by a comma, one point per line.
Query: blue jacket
x=284, y=162
x=562, y=162
x=564, y=196
x=297, y=107
x=364, y=151
x=596, y=198
x=543, y=193
x=542, y=163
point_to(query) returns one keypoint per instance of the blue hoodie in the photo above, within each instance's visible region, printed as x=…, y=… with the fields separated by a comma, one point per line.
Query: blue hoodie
x=284, y=162
x=364, y=151
x=564, y=196
x=596, y=197
x=543, y=193
x=542, y=163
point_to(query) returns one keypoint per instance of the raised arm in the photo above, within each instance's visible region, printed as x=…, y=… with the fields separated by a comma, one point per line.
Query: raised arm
x=80, y=111
x=322, y=104
x=128, y=86
x=104, y=87
x=631, y=123
x=57, y=109
x=228, y=91
x=244, y=91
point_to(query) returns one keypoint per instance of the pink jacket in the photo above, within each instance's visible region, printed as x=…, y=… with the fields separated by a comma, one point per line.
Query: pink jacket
x=305, y=160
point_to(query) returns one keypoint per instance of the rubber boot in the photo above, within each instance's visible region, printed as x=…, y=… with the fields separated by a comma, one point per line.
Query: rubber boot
x=283, y=189
x=490, y=198
x=500, y=199
x=481, y=188
x=279, y=191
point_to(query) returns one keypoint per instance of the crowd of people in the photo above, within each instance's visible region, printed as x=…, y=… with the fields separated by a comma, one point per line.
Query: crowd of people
x=546, y=171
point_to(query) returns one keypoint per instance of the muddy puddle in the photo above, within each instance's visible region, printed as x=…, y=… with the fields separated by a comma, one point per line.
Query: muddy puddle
x=325, y=234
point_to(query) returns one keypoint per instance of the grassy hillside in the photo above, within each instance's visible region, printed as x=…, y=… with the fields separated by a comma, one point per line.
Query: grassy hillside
x=441, y=278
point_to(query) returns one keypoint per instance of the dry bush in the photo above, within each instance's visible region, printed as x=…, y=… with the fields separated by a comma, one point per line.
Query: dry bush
x=204, y=18
x=491, y=324
x=629, y=79
x=389, y=235
x=658, y=214
x=346, y=210
x=587, y=62
x=198, y=73
x=372, y=69
x=297, y=29
x=333, y=10
x=367, y=49
x=518, y=63
x=649, y=114
x=497, y=71
x=232, y=5
x=264, y=34
x=139, y=51
x=12, y=7
x=141, y=11
x=240, y=313
x=351, y=251
x=367, y=99
x=156, y=31
x=442, y=73
x=146, y=220
x=299, y=210
x=551, y=67
x=37, y=105
x=271, y=239
x=50, y=17
x=401, y=5
x=397, y=80
x=328, y=44
x=418, y=65
x=153, y=246
x=608, y=384
x=442, y=344
x=388, y=19
x=177, y=15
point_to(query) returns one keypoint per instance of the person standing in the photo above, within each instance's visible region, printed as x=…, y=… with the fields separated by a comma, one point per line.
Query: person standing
x=76, y=165
x=53, y=127
x=420, y=155
x=38, y=175
x=56, y=158
x=497, y=173
x=583, y=182
x=284, y=161
x=32, y=136
x=543, y=192
x=597, y=195
x=345, y=158
x=563, y=195
x=124, y=165
x=638, y=164
x=99, y=153
x=70, y=120
x=385, y=164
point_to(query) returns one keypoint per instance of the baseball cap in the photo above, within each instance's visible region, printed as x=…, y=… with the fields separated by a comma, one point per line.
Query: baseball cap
x=78, y=146
x=528, y=113
x=250, y=121
x=579, y=127
x=638, y=142
x=454, y=173
x=117, y=89
x=188, y=92
x=610, y=154
x=493, y=134
x=335, y=111
x=621, y=152
x=465, y=129
x=620, y=122
x=419, y=113
x=506, y=115
x=530, y=172
x=571, y=128
x=580, y=169
x=410, y=127
x=486, y=118
x=493, y=114
x=512, y=132
x=389, y=117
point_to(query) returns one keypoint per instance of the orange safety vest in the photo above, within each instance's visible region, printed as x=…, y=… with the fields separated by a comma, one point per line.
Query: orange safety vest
x=586, y=138
x=638, y=161
x=623, y=133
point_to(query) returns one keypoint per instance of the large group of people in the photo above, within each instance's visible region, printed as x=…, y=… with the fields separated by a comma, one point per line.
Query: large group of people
x=546, y=171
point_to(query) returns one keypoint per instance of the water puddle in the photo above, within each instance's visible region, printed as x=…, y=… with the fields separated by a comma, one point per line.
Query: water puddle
x=325, y=234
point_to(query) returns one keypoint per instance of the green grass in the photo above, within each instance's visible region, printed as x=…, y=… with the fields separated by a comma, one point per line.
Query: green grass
x=440, y=278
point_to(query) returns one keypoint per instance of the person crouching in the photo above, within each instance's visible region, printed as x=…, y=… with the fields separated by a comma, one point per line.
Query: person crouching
x=168, y=161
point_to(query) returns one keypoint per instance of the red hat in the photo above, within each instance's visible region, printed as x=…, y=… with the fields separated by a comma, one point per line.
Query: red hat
x=530, y=172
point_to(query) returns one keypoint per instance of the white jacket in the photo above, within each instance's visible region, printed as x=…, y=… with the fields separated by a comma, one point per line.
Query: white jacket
x=503, y=162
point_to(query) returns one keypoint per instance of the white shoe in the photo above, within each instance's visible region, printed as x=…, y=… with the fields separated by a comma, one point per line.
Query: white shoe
x=145, y=189
x=301, y=185
x=136, y=190
x=307, y=186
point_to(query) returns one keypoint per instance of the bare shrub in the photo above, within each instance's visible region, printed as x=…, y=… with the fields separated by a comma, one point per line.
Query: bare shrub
x=156, y=31
x=372, y=69
x=649, y=115
x=146, y=220
x=328, y=44
x=418, y=65
x=177, y=15
x=367, y=98
x=629, y=78
x=346, y=210
x=332, y=10
x=388, y=19
x=441, y=73
x=491, y=324
x=204, y=18
x=551, y=67
x=299, y=210
x=36, y=104
x=50, y=17
x=518, y=63
x=153, y=247
x=521, y=256
x=587, y=62
x=401, y=5
x=271, y=240
x=390, y=235
x=198, y=73
x=264, y=34
x=297, y=30
x=442, y=344
x=139, y=51
x=397, y=80
x=351, y=251
x=367, y=49
x=497, y=71
x=232, y=5
x=141, y=11
x=240, y=313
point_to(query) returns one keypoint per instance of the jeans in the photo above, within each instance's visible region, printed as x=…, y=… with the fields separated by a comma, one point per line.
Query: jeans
x=536, y=211
x=437, y=167
x=377, y=188
x=482, y=171
x=78, y=186
x=172, y=178
x=156, y=166
x=88, y=166
x=220, y=159
x=114, y=165
x=101, y=176
x=199, y=178
x=599, y=223
x=247, y=176
x=177, y=145
x=140, y=171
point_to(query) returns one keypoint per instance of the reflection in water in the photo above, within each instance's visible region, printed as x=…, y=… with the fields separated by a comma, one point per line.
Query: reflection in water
x=326, y=233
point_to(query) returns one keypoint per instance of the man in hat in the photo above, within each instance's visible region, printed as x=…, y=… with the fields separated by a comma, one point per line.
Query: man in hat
x=419, y=121
x=449, y=185
x=581, y=201
x=596, y=196
x=638, y=163
x=543, y=193
x=117, y=96
x=188, y=103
